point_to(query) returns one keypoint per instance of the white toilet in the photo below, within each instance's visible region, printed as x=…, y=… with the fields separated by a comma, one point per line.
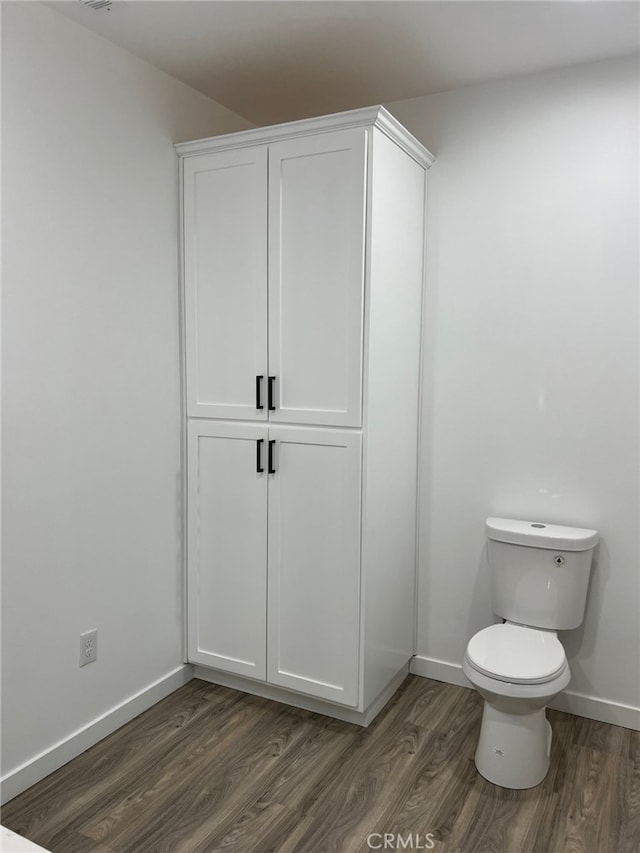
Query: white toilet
x=539, y=581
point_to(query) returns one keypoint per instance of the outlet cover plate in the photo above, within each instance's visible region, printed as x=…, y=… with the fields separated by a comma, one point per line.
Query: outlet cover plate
x=88, y=647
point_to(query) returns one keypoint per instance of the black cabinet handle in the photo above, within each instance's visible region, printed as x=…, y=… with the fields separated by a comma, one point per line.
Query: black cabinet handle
x=272, y=379
x=258, y=386
x=259, y=468
x=272, y=470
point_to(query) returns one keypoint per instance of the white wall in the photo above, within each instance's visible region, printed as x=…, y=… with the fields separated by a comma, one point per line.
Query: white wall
x=531, y=387
x=531, y=361
x=91, y=455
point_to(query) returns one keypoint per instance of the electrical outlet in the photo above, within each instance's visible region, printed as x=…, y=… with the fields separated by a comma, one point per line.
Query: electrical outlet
x=88, y=647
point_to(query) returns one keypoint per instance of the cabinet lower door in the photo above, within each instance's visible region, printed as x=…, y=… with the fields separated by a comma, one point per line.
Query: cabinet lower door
x=227, y=547
x=314, y=563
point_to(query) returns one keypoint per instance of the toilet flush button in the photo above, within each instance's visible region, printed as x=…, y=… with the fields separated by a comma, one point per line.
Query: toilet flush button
x=559, y=560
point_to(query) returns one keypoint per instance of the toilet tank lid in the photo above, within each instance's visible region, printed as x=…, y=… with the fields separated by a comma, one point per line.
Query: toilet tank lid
x=537, y=534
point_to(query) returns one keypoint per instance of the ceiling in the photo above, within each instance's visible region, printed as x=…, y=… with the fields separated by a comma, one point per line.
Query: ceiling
x=279, y=61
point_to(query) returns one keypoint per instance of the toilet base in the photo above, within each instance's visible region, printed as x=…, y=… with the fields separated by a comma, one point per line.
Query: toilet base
x=513, y=750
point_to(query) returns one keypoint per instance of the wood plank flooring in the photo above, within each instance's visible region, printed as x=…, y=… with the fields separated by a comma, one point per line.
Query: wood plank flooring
x=210, y=769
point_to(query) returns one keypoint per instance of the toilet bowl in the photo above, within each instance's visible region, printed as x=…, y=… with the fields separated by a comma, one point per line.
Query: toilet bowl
x=539, y=581
x=517, y=670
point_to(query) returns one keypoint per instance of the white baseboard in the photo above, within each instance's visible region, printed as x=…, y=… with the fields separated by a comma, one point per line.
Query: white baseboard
x=439, y=670
x=603, y=710
x=591, y=707
x=51, y=759
x=56, y=756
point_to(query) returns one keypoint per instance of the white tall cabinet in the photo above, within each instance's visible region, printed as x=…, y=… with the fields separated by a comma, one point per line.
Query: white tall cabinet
x=303, y=250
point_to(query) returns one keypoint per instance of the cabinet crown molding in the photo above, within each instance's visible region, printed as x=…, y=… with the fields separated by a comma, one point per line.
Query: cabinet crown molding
x=376, y=116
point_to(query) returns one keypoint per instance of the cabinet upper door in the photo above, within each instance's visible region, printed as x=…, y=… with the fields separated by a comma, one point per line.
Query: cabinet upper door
x=227, y=546
x=317, y=210
x=225, y=282
x=313, y=633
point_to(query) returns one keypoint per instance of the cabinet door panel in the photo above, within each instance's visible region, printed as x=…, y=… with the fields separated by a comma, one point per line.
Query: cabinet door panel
x=225, y=269
x=316, y=277
x=227, y=548
x=314, y=563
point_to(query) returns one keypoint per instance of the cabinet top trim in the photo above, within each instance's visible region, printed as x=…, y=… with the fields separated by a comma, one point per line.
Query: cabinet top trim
x=376, y=116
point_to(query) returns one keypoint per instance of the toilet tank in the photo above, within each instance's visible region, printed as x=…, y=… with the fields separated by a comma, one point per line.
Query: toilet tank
x=539, y=572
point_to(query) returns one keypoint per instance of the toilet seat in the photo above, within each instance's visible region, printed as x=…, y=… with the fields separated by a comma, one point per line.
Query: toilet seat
x=516, y=654
x=526, y=692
